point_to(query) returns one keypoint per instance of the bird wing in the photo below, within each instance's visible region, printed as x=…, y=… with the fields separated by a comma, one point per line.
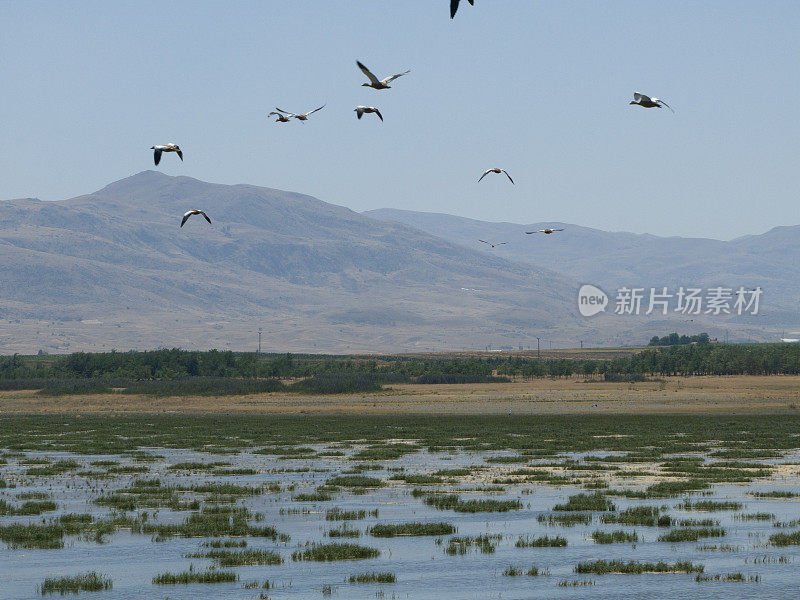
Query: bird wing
x=315, y=110
x=186, y=217
x=485, y=173
x=500, y=243
x=359, y=111
x=484, y=241
x=556, y=230
x=288, y=114
x=393, y=77
x=641, y=97
x=180, y=154
x=507, y=175
x=368, y=73
x=205, y=215
x=380, y=116
x=157, y=156
x=453, y=8
x=530, y=232
x=667, y=105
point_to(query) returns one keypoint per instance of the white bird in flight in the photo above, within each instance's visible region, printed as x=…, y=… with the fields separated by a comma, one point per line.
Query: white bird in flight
x=454, y=6
x=547, y=231
x=362, y=110
x=374, y=82
x=281, y=118
x=157, y=150
x=496, y=170
x=194, y=211
x=493, y=245
x=648, y=102
x=302, y=117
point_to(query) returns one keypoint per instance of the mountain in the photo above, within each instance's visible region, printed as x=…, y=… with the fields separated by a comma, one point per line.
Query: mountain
x=611, y=260
x=113, y=269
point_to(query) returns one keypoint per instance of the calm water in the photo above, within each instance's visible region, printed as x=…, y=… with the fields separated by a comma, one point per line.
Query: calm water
x=422, y=568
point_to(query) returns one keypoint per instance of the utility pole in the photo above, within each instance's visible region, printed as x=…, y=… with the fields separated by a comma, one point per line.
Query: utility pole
x=581, y=344
x=259, y=340
x=538, y=350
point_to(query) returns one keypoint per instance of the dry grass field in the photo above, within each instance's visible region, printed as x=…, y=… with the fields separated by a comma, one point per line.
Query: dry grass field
x=699, y=395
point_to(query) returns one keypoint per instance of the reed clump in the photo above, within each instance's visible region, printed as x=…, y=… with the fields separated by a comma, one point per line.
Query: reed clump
x=88, y=582
x=335, y=551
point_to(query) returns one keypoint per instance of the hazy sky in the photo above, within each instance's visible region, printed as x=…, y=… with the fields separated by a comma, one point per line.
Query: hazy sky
x=539, y=88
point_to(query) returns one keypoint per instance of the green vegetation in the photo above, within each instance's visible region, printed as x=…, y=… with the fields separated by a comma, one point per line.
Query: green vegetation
x=88, y=582
x=646, y=437
x=213, y=521
x=195, y=577
x=29, y=508
x=760, y=516
x=337, y=514
x=453, y=502
x=180, y=372
x=542, y=541
x=691, y=534
x=774, y=494
x=56, y=468
x=373, y=578
x=355, y=481
x=225, y=544
x=697, y=523
x=459, y=546
x=344, y=532
x=614, y=537
x=673, y=339
x=231, y=558
x=604, y=567
x=32, y=536
x=739, y=577
x=411, y=529
x=638, y=515
x=336, y=551
x=785, y=539
x=584, y=502
x=318, y=496
x=566, y=520
x=710, y=505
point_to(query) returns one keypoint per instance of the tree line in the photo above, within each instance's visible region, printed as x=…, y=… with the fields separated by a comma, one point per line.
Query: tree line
x=673, y=339
x=173, y=364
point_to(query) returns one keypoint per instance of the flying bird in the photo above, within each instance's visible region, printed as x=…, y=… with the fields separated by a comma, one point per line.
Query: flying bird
x=302, y=117
x=281, y=118
x=157, y=150
x=454, y=6
x=374, y=83
x=362, y=110
x=194, y=211
x=648, y=102
x=547, y=231
x=493, y=245
x=498, y=171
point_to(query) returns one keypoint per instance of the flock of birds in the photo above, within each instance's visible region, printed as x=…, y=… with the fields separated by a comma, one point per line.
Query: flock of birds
x=284, y=116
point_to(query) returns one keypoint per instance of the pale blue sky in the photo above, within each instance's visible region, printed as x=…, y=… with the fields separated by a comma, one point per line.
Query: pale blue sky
x=539, y=88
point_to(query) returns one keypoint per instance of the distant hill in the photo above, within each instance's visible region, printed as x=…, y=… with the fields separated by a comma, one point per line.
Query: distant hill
x=613, y=259
x=113, y=269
